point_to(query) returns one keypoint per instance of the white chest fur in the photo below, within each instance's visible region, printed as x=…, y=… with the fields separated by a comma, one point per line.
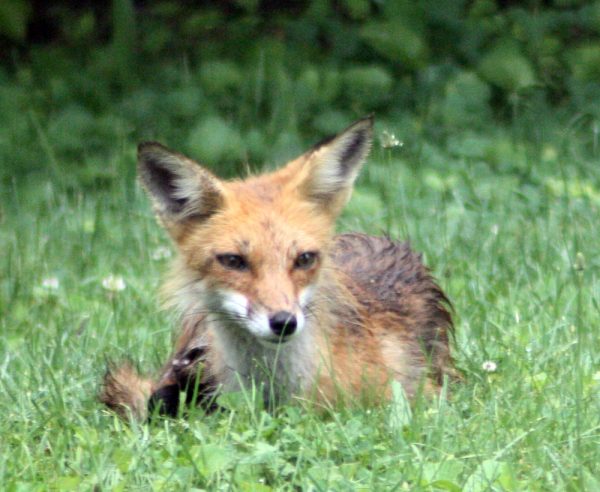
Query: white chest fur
x=278, y=371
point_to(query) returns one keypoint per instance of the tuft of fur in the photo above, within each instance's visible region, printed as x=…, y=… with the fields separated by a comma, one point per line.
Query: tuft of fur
x=126, y=392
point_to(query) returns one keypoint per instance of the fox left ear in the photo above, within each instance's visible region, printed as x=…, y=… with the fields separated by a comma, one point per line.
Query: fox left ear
x=182, y=191
x=333, y=165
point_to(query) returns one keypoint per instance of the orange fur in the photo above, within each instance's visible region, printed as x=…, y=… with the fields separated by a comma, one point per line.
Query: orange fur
x=365, y=310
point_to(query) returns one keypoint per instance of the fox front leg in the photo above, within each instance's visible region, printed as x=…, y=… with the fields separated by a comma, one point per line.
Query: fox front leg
x=185, y=381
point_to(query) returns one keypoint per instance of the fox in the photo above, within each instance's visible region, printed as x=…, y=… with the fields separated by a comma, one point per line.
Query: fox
x=268, y=297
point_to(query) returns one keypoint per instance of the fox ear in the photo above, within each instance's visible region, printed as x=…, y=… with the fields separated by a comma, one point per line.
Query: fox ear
x=333, y=165
x=180, y=189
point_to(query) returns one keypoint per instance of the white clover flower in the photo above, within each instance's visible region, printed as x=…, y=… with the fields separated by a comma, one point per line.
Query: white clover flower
x=113, y=283
x=50, y=283
x=161, y=253
x=388, y=140
x=489, y=366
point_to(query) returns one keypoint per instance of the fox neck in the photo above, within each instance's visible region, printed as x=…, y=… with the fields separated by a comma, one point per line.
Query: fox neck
x=279, y=372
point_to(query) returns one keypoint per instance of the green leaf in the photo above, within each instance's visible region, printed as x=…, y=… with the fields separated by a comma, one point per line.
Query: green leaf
x=66, y=483
x=248, y=5
x=254, y=487
x=485, y=475
x=262, y=453
x=220, y=78
x=584, y=62
x=357, y=9
x=122, y=458
x=507, y=67
x=466, y=101
x=445, y=473
x=369, y=85
x=213, y=140
x=14, y=16
x=445, y=485
x=397, y=42
x=590, y=480
x=212, y=458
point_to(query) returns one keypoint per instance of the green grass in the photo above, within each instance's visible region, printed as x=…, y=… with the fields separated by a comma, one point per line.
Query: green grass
x=508, y=221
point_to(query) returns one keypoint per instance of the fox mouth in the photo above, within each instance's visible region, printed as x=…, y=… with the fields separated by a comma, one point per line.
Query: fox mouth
x=274, y=341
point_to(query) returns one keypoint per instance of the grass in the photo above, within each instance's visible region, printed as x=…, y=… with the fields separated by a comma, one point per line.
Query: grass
x=506, y=218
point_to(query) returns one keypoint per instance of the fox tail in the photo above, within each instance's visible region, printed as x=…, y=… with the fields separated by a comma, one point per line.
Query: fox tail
x=126, y=392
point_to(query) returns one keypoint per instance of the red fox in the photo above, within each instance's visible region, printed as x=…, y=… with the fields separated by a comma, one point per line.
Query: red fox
x=269, y=298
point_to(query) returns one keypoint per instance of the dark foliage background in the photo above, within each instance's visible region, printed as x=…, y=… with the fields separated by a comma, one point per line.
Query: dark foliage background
x=233, y=82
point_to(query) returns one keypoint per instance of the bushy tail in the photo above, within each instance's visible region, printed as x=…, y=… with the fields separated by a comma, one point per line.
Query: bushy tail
x=126, y=392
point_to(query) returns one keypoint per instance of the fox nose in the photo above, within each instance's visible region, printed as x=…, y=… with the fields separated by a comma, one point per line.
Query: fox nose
x=283, y=323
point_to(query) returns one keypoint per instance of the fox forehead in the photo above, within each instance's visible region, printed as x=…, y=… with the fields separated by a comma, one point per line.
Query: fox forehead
x=259, y=219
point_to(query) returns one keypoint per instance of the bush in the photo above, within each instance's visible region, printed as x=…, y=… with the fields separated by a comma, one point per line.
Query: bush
x=176, y=72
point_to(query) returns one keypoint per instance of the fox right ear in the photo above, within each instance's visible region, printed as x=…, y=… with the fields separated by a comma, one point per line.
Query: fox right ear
x=332, y=166
x=180, y=189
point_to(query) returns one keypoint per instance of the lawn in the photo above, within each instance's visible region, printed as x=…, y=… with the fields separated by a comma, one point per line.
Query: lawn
x=506, y=217
x=486, y=157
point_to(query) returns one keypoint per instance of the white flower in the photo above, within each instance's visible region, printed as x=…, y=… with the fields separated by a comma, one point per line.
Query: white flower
x=489, y=366
x=161, y=253
x=389, y=140
x=50, y=283
x=113, y=283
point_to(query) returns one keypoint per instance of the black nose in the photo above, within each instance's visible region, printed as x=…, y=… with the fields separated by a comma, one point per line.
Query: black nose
x=283, y=323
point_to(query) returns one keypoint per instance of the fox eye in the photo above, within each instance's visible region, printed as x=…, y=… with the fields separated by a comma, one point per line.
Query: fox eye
x=305, y=260
x=233, y=262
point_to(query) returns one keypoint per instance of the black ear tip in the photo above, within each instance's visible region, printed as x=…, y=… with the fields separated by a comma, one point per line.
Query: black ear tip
x=144, y=147
x=364, y=124
x=368, y=120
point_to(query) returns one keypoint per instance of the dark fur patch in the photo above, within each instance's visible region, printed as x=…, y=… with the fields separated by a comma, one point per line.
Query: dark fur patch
x=185, y=375
x=165, y=401
x=348, y=158
x=388, y=277
x=162, y=182
x=201, y=391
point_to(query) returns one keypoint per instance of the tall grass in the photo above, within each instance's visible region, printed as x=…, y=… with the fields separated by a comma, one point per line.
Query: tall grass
x=508, y=221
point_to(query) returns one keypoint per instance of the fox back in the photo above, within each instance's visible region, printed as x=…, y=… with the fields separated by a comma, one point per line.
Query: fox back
x=270, y=298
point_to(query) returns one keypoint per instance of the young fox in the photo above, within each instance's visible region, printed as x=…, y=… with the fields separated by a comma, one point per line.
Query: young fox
x=269, y=298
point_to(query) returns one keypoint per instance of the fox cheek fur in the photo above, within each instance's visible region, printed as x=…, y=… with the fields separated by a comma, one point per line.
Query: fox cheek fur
x=269, y=297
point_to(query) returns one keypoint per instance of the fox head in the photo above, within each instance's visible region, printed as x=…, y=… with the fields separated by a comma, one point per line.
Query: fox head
x=254, y=248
